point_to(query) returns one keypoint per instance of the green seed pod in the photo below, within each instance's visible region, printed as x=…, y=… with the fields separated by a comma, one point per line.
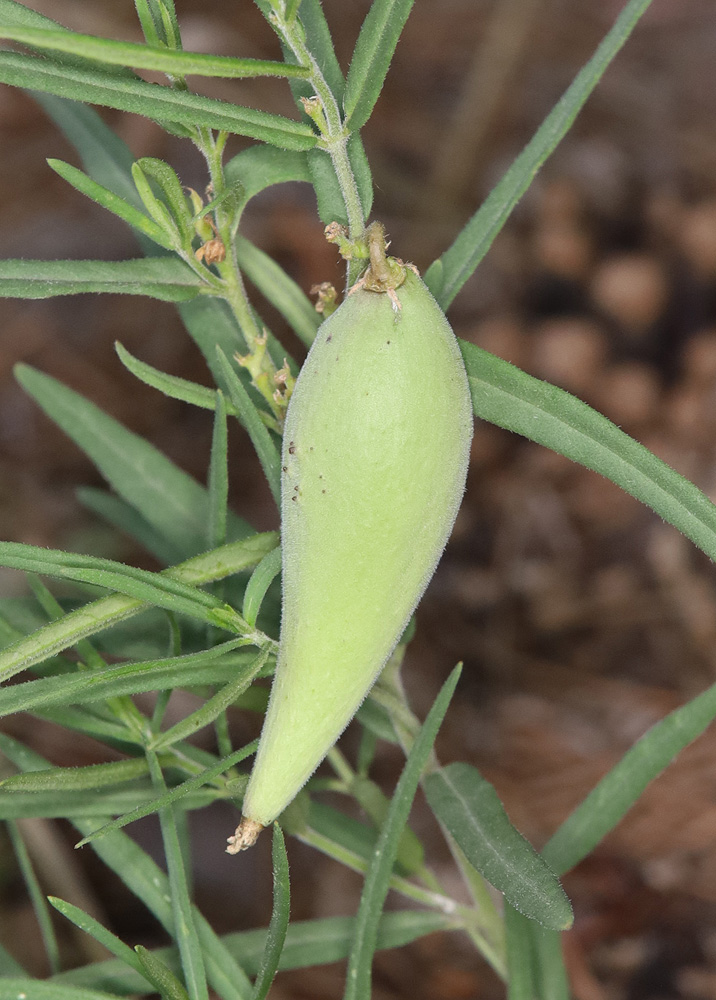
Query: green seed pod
x=375, y=457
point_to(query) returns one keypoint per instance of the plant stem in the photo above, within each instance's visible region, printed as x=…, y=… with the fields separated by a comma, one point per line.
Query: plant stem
x=335, y=136
x=234, y=291
x=466, y=919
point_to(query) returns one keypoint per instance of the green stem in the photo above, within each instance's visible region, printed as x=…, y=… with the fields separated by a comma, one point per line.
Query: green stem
x=233, y=286
x=335, y=137
x=465, y=917
x=341, y=766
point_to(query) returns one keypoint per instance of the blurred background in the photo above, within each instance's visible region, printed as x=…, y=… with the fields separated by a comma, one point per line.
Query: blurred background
x=580, y=617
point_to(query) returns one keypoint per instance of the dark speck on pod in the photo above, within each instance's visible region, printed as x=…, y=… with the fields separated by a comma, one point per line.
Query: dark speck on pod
x=292, y=448
x=329, y=338
x=284, y=468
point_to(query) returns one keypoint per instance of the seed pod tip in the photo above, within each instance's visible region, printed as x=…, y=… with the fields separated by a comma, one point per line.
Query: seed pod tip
x=245, y=836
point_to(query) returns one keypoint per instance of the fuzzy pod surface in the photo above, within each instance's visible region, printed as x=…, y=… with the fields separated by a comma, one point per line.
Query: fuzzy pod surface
x=375, y=457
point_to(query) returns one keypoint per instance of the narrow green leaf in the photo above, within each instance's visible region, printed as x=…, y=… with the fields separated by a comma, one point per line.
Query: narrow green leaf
x=372, y=58
x=99, y=615
x=520, y=955
x=36, y=989
x=620, y=788
x=292, y=10
x=165, y=278
x=164, y=60
x=469, y=808
x=142, y=585
x=174, y=794
x=308, y=943
x=158, y=209
x=150, y=20
x=96, y=804
x=167, y=180
x=152, y=100
x=217, y=665
x=161, y=977
x=213, y=707
x=172, y=34
x=94, y=928
x=76, y=778
x=361, y=171
x=510, y=398
x=171, y=501
x=278, y=926
x=261, y=439
x=185, y=935
x=112, y=202
x=37, y=897
x=377, y=881
x=260, y=167
x=105, y=157
x=259, y=582
x=281, y=291
x=218, y=477
x=459, y=261
x=171, y=385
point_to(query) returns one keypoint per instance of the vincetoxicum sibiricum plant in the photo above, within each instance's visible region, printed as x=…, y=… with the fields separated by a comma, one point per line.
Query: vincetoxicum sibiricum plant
x=223, y=638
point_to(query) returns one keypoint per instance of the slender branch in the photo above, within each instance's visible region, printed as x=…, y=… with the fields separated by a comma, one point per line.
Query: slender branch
x=334, y=134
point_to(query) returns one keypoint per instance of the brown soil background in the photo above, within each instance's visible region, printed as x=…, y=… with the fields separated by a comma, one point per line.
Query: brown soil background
x=580, y=617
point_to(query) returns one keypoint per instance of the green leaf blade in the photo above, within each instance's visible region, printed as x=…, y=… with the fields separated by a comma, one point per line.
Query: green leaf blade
x=278, y=927
x=141, y=585
x=90, y=776
x=541, y=412
x=164, y=278
x=157, y=102
x=175, y=62
x=109, y=200
x=619, y=789
x=371, y=60
x=470, y=809
x=446, y=276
